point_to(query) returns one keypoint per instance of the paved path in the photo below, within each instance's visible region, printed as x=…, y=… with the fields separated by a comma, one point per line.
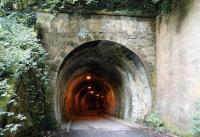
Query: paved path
x=91, y=124
x=92, y=121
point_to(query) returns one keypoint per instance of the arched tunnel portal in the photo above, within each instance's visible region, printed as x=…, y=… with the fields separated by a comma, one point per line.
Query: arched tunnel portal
x=106, y=76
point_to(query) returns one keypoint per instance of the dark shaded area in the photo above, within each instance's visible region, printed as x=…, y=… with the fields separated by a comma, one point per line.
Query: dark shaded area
x=102, y=75
x=135, y=7
x=137, y=132
x=181, y=7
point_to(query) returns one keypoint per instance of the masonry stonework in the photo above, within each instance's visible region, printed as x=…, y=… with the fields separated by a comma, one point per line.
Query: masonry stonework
x=61, y=34
x=175, y=58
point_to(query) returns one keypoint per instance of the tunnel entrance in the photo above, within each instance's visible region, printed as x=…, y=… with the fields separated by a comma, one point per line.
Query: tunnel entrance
x=105, y=76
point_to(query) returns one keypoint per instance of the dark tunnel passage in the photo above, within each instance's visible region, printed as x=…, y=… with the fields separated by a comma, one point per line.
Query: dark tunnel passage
x=106, y=76
x=89, y=94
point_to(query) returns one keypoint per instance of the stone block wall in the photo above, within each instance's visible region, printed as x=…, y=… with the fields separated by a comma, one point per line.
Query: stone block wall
x=62, y=33
x=176, y=55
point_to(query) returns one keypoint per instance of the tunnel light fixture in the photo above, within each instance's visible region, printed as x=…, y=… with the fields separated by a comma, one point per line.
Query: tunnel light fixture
x=101, y=96
x=89, y=87
x=97, y=95
x=88, y=77
x=92, y=92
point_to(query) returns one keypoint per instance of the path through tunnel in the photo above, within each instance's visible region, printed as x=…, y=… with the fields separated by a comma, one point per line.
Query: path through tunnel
x=106, y=76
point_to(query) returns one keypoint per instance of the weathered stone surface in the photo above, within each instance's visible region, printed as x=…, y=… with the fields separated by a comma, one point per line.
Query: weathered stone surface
x=178, y=64
x=130, y=31
x=177, y=52
x=107, y=62
x=62, y=34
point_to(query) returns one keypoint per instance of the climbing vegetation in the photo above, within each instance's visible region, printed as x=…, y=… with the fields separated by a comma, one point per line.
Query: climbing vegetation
x=136, y=7
x=154, y=120
x=22, y=68
x=165, y=6
x=83, y=33
x=23, y=71
x=196, y=121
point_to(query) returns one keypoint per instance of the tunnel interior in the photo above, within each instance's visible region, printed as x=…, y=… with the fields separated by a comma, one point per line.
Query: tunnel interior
x=104, y=76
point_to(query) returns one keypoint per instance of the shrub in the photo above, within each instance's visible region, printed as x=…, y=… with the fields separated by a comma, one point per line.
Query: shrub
x=154, y=120
x=21, y=54
x=196, y=121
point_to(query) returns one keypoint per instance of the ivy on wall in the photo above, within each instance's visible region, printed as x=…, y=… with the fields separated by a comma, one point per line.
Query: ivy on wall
x=22, y=58
x=196, y=120
x=116, y=6
x=22, y=65
x=165, y=6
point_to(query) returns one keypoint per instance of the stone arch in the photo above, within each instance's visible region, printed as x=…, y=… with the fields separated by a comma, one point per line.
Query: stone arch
x=115, y=70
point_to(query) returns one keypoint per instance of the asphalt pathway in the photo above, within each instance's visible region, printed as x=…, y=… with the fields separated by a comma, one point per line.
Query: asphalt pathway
x=92, y=124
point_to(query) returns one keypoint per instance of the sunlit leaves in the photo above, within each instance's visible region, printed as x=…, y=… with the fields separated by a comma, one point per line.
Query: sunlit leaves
x=3, y=87
x=83, y=33
x=6, y=113
x=20, y=54
x=21, y=117
x=155, y=1
x=12, y=127
x=5, y=94
x=71, y=1
x=196, y=120
x=20, y=47
x=154, y=120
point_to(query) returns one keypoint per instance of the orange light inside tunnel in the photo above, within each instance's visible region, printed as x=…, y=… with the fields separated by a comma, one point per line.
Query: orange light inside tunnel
x=76, y=102
x=88, y=77
x=89, y=87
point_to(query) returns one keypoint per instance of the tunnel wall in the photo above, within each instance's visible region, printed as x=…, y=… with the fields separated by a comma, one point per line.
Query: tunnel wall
x=178, y=63
x=61, y=33
x=117, y=69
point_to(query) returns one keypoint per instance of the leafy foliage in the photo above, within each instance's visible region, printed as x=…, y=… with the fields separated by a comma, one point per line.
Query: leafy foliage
x=134, y=7
x=14, y=5
x=123, y=6
x=83, y=33
x=154, y=120
x=20, y=48
x=22, y=59
x=28, y=19
x=165, y=6
x=3, y=86
x=71, y=43
x=196, y=121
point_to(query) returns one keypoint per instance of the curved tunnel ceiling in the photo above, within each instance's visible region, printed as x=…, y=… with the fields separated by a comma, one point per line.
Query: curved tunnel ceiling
x=115, y=72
